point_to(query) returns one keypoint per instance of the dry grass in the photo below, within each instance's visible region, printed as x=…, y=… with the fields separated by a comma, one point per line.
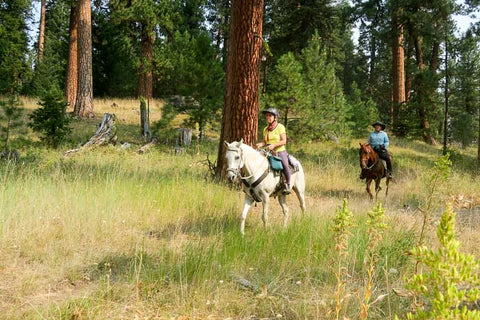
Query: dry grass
x=110, y=234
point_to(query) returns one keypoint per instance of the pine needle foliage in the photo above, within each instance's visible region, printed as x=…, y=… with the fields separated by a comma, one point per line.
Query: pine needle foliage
x=9, y=118
x=451, y=280
x=51, y=119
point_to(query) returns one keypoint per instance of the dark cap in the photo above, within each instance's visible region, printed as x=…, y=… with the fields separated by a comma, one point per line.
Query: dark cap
x=379, y=123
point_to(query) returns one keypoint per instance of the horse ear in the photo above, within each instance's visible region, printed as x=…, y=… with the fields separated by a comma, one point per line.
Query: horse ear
x=226, y=143
x=241, y=141
x=360, y=144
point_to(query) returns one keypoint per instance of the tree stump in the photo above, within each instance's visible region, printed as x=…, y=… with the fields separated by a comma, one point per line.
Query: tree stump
x=184, y=137
x=106, y=134
x=10, y=156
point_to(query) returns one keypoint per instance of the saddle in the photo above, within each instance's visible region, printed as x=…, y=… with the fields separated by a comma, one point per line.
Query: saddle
x=276, y=163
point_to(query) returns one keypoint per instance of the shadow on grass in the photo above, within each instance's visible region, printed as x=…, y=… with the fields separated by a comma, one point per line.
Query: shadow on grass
x=204, y=227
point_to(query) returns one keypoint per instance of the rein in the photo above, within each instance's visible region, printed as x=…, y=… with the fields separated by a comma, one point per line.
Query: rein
x=374, y=163
x=251, y=186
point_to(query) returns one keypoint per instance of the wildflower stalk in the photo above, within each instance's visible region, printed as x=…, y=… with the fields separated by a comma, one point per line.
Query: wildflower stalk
x=376, y=225
x=341, y=228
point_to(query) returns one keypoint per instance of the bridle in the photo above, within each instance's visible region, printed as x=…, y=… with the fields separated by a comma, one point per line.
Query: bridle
x=249, y=185
x=362, y=151
x=237, y=171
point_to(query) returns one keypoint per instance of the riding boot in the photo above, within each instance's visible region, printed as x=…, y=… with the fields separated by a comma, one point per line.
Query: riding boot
x=389, y=174
x=389, y=168
x=362, y=175
x=287, y=189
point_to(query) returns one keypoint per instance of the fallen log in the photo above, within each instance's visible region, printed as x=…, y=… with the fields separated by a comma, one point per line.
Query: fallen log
x=106, y=134
x=154, y=141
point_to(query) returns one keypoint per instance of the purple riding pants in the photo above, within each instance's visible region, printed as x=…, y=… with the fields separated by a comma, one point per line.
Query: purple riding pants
x=286, y=168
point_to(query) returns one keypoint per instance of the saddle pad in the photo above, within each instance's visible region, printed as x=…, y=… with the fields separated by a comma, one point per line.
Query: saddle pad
x=294, y=163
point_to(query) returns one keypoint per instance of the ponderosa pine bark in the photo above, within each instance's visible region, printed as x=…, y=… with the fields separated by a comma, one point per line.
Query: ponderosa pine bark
x=398, y=71
x=84, y=101
x=240, y=114
x=41, y=29
x=145, y=85
x=72, y=69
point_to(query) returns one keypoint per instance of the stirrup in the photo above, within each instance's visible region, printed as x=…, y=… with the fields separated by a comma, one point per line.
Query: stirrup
x=287, y=189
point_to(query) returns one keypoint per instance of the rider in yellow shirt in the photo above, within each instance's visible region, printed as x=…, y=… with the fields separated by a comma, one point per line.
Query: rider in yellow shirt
x=275, y=139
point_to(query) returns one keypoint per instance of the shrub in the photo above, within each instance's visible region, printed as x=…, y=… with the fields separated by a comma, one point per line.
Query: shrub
x=51, y=119
x=10, y=118
x=451, y=280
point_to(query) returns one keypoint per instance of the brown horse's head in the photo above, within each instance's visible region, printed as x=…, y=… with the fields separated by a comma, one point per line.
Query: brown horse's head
x=368, y=156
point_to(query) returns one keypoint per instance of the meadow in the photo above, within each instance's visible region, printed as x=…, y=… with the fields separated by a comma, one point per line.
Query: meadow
x=112, y=234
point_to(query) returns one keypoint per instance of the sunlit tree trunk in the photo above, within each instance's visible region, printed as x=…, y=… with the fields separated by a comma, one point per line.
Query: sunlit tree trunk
x=41, y=29
x=84, y=102
x=240, y=114
x=145, y=86
x=72, y=69
x=398, y=72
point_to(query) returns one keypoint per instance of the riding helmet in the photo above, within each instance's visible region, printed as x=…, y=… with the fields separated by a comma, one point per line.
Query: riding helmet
x=379, y=123
x=273, y=111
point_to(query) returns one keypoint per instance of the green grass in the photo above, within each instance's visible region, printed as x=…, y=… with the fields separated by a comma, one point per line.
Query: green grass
x=111, y=234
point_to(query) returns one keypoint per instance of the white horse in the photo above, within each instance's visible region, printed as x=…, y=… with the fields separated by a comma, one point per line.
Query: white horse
x=259, y=181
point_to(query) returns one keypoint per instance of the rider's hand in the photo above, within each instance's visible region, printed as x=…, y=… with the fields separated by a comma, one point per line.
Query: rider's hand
x=270, y=147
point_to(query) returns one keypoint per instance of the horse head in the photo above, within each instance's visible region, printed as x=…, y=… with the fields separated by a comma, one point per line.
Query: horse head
x=234, y=156
x=367, y=154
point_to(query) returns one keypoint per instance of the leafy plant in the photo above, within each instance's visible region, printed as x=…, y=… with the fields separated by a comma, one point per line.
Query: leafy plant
x=451, y=281
x=341, y=228
x=51, y=119
x=375, y=227
x=438, y=174
x=10, y=119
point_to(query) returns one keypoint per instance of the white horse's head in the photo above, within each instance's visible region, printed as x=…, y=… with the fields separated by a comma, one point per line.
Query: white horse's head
x=234, y=156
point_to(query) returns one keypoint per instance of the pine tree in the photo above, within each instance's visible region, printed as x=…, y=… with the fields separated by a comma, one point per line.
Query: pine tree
x=13, y=44
x=240, y=115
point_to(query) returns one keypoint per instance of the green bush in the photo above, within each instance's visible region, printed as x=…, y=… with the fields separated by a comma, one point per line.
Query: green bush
x=51, y=119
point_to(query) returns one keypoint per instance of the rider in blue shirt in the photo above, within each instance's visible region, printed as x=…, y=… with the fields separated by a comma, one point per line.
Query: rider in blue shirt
x=378, y=139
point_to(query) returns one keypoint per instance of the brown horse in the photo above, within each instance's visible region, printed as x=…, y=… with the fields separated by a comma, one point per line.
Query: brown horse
x=372, y=168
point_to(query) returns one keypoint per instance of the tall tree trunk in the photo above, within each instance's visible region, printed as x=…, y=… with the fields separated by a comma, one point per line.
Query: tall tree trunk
x=240, y=114
x=408, y=75
x=398, y=73
x=41, y=29
x=423, y=92
x=145, y=86
x=72, y=67
x=84, y=102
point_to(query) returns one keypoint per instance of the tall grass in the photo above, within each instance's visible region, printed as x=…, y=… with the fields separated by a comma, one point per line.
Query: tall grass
x=110, y=234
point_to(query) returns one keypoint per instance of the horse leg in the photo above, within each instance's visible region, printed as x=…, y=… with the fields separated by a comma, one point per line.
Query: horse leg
x=388, y=181
x=377, y=187
x=265, y=211
x=301, y=197
x=246, y=207
x=282, y=199
x=369, y=181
